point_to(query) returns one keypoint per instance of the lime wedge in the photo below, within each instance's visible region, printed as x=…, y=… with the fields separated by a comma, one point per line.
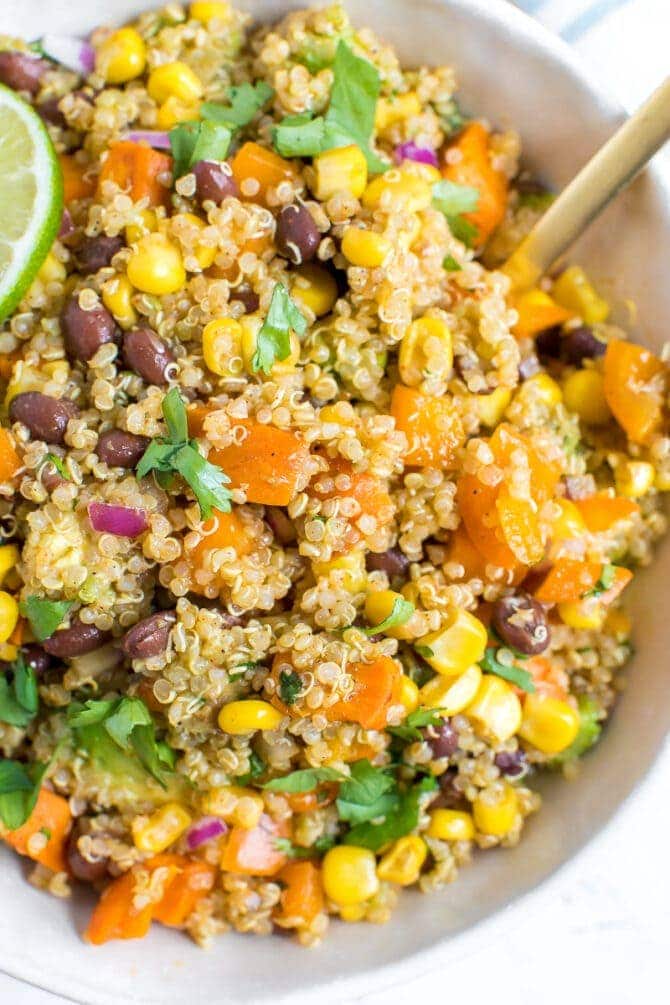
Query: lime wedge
x=31, y=197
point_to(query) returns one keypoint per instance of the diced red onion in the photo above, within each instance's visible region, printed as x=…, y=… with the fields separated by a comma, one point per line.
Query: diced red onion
x=73, y=53
x=66, y=226
x=123, y=521
x=411, y=152
x=204, y=830
x=154, y=137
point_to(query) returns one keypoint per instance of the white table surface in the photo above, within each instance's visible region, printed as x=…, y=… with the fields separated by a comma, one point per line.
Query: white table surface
x=599, y=932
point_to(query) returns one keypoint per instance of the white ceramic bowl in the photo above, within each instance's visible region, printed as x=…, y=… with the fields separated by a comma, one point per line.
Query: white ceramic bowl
x=515, y=73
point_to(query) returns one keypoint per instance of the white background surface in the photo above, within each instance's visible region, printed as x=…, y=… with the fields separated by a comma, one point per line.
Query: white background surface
x=599, y=932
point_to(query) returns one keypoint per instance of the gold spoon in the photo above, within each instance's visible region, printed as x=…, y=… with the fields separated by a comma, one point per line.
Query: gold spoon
x=603, y=177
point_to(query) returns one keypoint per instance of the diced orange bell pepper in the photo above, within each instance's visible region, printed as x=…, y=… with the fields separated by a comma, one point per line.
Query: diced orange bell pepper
x=76, y=182
x=52, y=818
x=505, y=441
x=537, y=312
x=7, y=361
x=262, y=164
x=474, y=168
x=478, y=509
x=222, y=530
x=254, y=852
x=602, y=511
x=305, y=802
x=136, y=169
x=568, y=580
x=520, y=527
x=268, y=463
x=10, y=462
x=433, y=429
x=115, y=915
x=302, y=897
x=376, y=688
x=635, y=386
x=194, y=879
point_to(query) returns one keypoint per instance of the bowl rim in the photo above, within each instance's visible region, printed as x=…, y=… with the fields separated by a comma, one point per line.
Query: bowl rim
x=501, y=14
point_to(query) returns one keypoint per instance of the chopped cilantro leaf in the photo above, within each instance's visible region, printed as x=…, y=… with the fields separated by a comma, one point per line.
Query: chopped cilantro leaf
x=44, y=615
x=59, y=465
x=450, y=264
x=304, y=780
x=453, y=200
x=19, y=789
x=191, y=142
x=274, y=338
x=424, y=651
x=410, y=729
x=19, y=699
x=290, y=686
x=590, y=714
x=514, y=674
x=246, y=100
x=398, y=820
x=401, y=612
x=367, y=794
x=256, y=769
x=607, y=577
x=320, y=846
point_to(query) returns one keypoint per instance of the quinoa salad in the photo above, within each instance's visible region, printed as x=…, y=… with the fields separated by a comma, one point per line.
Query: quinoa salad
x=315, y=533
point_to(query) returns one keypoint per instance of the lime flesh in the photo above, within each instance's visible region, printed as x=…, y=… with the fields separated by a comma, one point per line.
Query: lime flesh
x=31, y=197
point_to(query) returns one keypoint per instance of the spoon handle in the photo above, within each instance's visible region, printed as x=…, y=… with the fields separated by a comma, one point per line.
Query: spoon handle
x=612, y=167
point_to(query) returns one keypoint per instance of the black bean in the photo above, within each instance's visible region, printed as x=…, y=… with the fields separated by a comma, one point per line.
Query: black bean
x=49, y=110
x=77, y=640
x=119, y=449
x=147, y=354
x=247, y=297
x=511, y=763
x=549, y=342
x=393, y=562
x=213, y=182
x=22, y=72
x=85, y=331
x=297, y=237
x=96, y=252
x=280, y=524
x=80, y=867
x=149, y=637
x=581, y=343
x=529, y=366
x=536, y=576
x=45, y=417
x=521, y=622
x=528, y=186
x=36, y=658
x=443, y=739
x=449, y=795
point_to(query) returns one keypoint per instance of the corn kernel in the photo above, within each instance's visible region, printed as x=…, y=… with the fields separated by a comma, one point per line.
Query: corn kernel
x=586, y=614
x=251, y=325
x=365, y=247
x=174, y=80
x=162, y=829
x=451, y=825
x=398, y=189
x=379, y=606
x=222, y=347
x=634, y=478
x=491, y=407
x=392, y=110
x=8, y=652
x=9, y=557
x=495, y=811
x=314, y=287
x=52, y=270
x=349, y=569
x=240, y=717
x=204, y=254
x=145, y=223
x=121, y=57
x=584, y=393
x=618, y=624
x=495, y=708
x=235, y=804
x=9, y=615
x=117, y=294
x=451, y=694
x=349, y=875
x=402, y=862
x=352, y=912
x=208, y=10
x=174, y=110
x=574, y=291
x=155, y=266
x=548, y=723
x=343, y=169
x=461, y=642
x=426, y=350
x=408, y=694
x=543, y=388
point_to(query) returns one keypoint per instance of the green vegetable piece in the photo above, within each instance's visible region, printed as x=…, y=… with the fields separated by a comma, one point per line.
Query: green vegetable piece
x=19, y=699
x=410, y=730
x=590, y=714
x=401, y=612
x=274, y=338
x=367, y=794
x=304, y=780
x=453, y=200
x=300, y=136
x=44, y=615
x=191, y=142
x=514, y=674
x=59, y=465
x=246, y=100
x=607, y=577
x=398, y=821
x=290, y=686
x=19, y=789
x=450, y=264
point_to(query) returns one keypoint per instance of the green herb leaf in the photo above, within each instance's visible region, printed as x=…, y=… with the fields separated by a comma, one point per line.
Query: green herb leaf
x=453, y=200
x=59, y=465
x=451, y=117
x=401, y=612
x=491, y=664
x=304, y=780
x=274, y=338
x=256, y=769
x=175, y=415
x=290, y=686
x=207, y=481
x=19, y=699
x=450, y=264
x=246, y=101
x=44, y=615
x=590, y=714
x=424, y=651
x=367, y=794
x=410, y=730
x=300, y=136
x=191, y=142
x=91, y=712
x=320, y=846
x=399, y=820
x=19, y=789
x=607, y=577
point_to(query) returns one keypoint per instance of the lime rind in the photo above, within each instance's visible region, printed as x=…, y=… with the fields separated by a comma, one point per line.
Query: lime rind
x=42, y=176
